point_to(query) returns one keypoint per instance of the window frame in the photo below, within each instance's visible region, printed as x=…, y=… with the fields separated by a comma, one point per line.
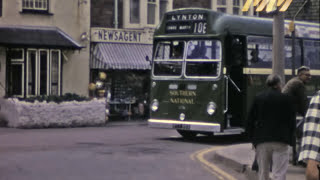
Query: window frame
x=216, y=60
x=236, y=4
x=39, y=70
x=37, y=82
x=35, y=71
x=163, y=7
x=131, y=21
x=34, y=9
x=19, y=62
x=154, y=3
x=59, y=71
x=1, y=7
x=222, y=6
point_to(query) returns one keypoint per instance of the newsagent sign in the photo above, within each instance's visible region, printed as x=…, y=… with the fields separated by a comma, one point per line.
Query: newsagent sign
x=121, y=35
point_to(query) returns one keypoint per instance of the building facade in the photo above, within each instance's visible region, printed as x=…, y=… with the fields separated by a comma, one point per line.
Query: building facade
x=44, y=47
x=309, y=10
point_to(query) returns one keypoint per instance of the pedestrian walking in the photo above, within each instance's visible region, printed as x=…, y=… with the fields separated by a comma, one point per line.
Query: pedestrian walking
x=271, y=125
x=295, y=88
x=310, y=146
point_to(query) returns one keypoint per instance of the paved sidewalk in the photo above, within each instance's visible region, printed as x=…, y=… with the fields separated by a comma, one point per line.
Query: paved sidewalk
x=240, y=158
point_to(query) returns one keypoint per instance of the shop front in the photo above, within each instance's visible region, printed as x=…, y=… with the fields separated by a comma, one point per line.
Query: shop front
x=123, y=60
x=31, y=59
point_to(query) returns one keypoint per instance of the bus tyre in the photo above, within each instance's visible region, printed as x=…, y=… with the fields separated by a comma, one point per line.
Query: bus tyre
x=187, y=134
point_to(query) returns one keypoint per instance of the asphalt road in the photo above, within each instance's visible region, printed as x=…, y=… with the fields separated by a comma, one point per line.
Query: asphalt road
x=108, y=153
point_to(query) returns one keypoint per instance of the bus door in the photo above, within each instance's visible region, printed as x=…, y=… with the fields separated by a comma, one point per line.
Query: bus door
x=235, y=82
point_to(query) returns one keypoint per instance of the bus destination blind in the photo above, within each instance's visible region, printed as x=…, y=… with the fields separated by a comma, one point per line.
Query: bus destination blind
x=186, y=23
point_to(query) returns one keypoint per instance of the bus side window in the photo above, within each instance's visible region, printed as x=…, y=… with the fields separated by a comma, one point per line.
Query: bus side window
x=312, y=54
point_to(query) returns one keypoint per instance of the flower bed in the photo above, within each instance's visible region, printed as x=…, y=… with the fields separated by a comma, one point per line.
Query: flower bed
x=21, y=114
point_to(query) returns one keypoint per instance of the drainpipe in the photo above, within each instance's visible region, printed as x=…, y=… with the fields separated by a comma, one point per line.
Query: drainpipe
x=293, y=35
x=116, y=14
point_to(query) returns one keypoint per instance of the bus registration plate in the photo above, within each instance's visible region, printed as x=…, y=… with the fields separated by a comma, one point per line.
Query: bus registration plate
x=181, y=126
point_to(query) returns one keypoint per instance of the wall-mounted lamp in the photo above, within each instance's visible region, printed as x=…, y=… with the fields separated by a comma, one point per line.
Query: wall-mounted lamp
x=84, y=36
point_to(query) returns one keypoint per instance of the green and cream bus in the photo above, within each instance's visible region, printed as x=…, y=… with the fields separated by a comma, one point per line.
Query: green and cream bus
x=207, y=67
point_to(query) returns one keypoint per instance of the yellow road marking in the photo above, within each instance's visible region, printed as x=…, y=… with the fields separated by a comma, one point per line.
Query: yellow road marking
x=199, y=156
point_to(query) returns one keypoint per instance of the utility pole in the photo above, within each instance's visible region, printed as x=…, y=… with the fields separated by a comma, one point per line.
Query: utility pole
x=278, y=45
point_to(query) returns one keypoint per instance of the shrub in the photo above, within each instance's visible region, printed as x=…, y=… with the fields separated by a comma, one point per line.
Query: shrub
x=56, y=99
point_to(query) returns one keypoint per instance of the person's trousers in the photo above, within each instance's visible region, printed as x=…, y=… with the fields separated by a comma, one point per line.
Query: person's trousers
x=278, y=154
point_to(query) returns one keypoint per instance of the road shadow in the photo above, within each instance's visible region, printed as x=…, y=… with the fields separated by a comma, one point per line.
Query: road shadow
x=210, y=140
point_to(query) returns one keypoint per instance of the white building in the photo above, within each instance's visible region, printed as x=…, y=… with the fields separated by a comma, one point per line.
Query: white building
x=44, y=47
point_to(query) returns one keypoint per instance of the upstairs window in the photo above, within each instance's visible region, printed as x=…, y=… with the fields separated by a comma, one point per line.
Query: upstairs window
x=222, y=6
x=163, y=8
x=0, y=8
x=151, y=11
x=134, y=11
x=236, y=7
x=246, y=13
x=35, y=5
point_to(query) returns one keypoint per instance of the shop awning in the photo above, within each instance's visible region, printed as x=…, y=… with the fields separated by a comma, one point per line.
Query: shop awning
x=35, y=36
x=121, y=56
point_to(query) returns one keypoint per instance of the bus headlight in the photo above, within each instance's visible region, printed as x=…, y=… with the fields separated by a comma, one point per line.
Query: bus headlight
x=182, y=116
x=155, y=105
x=211, y=108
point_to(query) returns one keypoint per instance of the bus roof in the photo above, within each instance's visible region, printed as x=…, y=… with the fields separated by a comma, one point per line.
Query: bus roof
x=222, y=24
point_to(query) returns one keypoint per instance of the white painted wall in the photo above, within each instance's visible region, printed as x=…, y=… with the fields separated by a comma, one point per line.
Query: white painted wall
x=72, y=17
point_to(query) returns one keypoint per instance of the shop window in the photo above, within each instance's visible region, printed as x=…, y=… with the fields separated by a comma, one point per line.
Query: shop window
x=15, y=74
x=31, y=72
x=16, y=78
x=151, y=11
x=43, y=72
x=55, y=72
x=134, y=11
x=163, y=8
x=35, y=5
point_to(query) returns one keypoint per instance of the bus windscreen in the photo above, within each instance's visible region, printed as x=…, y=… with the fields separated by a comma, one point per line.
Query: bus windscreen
x=202, y=58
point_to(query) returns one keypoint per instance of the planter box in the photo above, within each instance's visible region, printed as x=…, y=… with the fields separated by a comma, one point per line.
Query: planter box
x=20, y=114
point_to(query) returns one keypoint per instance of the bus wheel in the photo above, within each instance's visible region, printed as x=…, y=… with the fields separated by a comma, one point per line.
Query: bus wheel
x=187, y=134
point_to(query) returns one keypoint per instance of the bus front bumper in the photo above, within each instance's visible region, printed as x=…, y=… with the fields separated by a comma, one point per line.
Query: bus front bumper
x=184, y=125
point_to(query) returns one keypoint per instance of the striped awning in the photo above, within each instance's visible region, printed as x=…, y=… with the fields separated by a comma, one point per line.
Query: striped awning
x=121, y=56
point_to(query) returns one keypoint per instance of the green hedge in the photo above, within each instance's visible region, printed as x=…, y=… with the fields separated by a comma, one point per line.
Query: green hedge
x=56, y=99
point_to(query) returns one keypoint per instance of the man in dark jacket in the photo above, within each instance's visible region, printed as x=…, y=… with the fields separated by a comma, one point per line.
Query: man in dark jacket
x=271, y=127
x=295, y=88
